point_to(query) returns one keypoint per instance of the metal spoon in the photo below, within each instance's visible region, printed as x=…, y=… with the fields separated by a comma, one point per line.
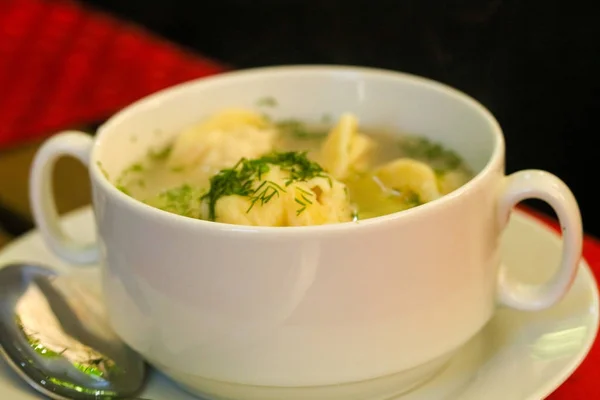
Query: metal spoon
x=57, y=343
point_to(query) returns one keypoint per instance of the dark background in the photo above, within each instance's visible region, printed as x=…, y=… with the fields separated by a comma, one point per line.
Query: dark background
x=534, y=64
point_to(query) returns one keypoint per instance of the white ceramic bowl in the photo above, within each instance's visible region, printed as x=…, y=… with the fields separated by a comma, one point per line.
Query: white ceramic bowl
x=354, y=310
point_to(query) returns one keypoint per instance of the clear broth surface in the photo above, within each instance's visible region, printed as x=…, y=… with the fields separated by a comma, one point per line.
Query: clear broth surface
x=180, y=190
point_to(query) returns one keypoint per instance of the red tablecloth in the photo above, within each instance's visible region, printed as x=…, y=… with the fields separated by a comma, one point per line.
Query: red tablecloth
x=63, y=65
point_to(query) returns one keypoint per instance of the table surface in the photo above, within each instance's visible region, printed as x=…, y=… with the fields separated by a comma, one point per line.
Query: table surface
x=172, y=65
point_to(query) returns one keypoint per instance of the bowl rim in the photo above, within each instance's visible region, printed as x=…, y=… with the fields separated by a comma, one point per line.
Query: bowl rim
x=494, y=162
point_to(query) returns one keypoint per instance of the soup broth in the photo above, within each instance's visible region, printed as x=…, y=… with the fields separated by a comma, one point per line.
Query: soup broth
x=350, y=173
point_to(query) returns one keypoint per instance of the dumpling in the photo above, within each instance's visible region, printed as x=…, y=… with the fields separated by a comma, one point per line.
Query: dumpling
x=409, y=176
x=222, y=140
x=345, y=149
x=451, y=180
x=278, y=195
x=325, y=201
x=316, y=201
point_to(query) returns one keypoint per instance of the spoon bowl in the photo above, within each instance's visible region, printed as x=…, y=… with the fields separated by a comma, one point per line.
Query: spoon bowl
x=56, y=342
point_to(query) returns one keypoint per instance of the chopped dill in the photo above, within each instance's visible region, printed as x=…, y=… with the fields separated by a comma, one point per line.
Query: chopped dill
x=439, y=172
x=302, y=200
x=124, y=189
x=268, y=101
x=135, y=168
x=299, y=129
x=413, y=199
x=264, y=193
x=183, y=200
x=241, y=180
x=424, y=149
x=102, y=169
x=160, y=154
x=409, y=198
x=326, y=118
x=123, y=178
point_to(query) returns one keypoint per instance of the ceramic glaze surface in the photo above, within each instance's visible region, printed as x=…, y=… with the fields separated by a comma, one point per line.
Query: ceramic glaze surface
x=518, y=355
x=258, y=305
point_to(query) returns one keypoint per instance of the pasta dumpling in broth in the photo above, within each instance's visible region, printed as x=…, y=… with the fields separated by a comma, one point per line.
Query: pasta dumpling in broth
x=452, y=180
x=239, y=167
x=398, y=185
x=410, y=176
x=222, y=140
x=283, y=189
x=345, y=150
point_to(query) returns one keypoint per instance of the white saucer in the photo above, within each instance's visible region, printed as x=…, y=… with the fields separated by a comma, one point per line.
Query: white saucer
x=518, y=356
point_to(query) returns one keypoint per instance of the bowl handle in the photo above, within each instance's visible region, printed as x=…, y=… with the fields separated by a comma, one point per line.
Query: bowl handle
x=536, y=184
x=41, y=197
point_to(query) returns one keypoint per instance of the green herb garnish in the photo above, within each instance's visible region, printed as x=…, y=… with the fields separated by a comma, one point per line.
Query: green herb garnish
x=299, y=129
x=407, y=197
x=183, y=200
x=243, y=178
x=99, y=164
x=425, y=150
x=264, y=193
x=302, y=199
x=135, y=168
x=121, y=182
x=326, y=118
x=267, y=102
x=160, y=154
x=123, y=189
x=412, y=199
x=125, y=181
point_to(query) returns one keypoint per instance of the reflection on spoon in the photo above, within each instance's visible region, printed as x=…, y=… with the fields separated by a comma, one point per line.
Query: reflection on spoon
x=55, y=335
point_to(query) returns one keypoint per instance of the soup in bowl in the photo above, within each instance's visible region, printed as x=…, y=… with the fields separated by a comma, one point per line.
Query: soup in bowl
x=240, y=167
x=339, y=239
